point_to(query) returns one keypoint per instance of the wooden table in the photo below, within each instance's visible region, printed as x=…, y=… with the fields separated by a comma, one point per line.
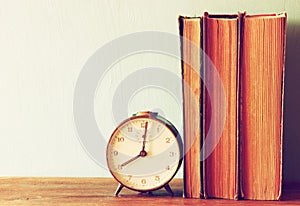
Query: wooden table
x=99, y=191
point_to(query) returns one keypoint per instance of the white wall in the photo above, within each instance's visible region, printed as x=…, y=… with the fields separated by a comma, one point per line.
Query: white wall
x=44, y=45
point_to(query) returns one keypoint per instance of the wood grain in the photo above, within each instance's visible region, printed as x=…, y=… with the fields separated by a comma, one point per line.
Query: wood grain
x=99, y=191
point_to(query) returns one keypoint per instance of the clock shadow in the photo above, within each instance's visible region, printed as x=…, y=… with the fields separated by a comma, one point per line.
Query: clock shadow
x=175, y=184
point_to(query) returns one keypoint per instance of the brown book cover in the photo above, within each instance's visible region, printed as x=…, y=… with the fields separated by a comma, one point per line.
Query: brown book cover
x=221, y=46
x=261, y=122
x=190, y=32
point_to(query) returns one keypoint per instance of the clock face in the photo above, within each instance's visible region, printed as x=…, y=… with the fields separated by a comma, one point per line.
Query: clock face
x=144, y=153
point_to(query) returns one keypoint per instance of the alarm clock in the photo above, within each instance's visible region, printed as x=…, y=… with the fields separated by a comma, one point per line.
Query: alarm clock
x=144, y=153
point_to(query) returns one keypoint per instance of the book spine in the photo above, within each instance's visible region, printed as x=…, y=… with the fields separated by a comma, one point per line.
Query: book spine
x=190, y=32
x=282, y=102
x=221, y=44
x=204, y=26
x=262, y=94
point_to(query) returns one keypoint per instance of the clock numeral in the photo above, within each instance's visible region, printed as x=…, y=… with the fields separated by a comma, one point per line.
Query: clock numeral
x=168, y=167
x=120, y=167
x=120, y=139
x=129, y=178
x=157, y=178
x=129, y=129
x=157, y=129
x=143, y=181
x=116, y=153
x=143, y=124
x=172, y=154
x=168, y=140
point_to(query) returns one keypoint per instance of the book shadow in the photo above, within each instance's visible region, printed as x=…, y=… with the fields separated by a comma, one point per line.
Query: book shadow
x=291, y=134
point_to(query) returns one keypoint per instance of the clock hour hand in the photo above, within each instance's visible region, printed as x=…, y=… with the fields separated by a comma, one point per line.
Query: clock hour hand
x=131, y=160
x=143, y=153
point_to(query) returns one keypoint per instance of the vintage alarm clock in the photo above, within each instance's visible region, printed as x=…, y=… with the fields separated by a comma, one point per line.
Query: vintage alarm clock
x=144, y=153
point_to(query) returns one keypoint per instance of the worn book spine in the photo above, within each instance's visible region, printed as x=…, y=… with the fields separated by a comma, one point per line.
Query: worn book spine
x=190, y=31
x=221, y=46
x=262, y=94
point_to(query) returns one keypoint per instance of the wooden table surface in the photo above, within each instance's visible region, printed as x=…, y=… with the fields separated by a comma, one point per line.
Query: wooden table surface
x=99, y=191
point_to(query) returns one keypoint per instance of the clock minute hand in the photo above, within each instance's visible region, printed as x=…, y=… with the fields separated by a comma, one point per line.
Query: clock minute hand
x=143, y=153
x=144, y=140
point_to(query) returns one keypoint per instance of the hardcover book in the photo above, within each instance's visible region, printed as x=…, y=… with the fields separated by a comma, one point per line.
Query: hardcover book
x=221, y=45
x=262, y=86
x=190, y=31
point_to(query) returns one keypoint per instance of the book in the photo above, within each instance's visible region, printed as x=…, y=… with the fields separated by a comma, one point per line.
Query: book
x=240, y=123
x=190, y=32
x=221, y=74
x=261, y=109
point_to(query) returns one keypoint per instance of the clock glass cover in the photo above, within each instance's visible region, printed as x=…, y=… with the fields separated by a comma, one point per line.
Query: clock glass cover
x=144, y=152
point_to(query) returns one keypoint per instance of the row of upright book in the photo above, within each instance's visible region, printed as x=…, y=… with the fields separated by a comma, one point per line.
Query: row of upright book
x=233, y=90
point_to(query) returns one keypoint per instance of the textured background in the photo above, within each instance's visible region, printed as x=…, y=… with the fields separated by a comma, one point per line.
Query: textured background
x=44, y=45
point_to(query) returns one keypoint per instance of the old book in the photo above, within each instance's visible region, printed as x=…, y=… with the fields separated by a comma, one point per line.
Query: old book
x=190, y=32
x=262, y=75
x=221, y=74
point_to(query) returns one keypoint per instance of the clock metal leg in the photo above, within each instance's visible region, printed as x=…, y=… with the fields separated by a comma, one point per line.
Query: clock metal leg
x=118, y=190
x=169, y=190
